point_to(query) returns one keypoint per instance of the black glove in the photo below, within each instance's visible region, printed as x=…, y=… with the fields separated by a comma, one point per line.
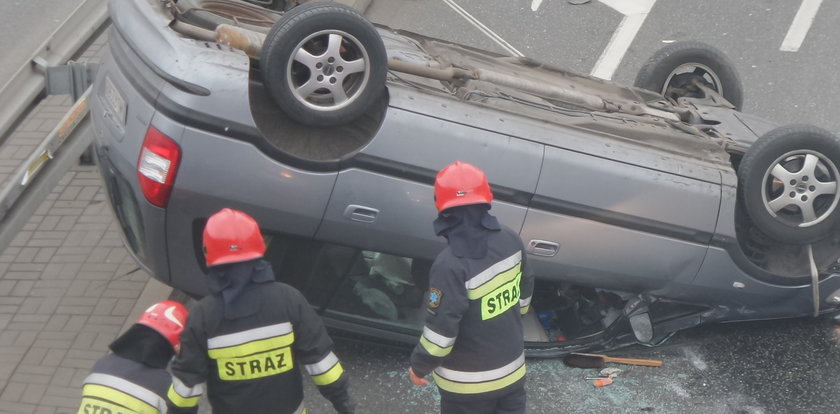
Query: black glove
x=347, y=406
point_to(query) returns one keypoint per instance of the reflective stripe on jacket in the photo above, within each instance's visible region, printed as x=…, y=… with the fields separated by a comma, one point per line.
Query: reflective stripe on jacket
x=120, y=385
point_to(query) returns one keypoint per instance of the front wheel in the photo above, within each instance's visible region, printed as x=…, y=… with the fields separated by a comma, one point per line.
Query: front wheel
x=675, y=71
x=788, y=181
x=324, y=64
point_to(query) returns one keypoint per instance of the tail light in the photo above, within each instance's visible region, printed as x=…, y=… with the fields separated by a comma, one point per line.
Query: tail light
x=157, y=166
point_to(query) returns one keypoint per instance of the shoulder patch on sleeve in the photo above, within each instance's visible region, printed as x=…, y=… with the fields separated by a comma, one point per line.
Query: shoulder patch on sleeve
x=435, y=296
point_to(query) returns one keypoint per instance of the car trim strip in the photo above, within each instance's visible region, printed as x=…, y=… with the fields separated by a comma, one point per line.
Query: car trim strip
x=181, y=84
x=553, y=205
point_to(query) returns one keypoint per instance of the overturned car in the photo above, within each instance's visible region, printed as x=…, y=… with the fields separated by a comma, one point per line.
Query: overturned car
x=644, y=210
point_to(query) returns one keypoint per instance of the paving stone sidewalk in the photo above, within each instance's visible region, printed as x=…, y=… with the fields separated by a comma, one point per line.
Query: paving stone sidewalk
x=67, y=285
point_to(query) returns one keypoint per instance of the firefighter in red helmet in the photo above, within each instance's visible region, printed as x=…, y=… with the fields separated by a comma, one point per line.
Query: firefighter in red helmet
x=480, y=285
x=133, y=378
x=249, y=341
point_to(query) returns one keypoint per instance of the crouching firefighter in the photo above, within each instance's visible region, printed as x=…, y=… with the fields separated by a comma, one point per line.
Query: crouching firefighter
x=248, y=341
x=133, y=378
x=480, y=285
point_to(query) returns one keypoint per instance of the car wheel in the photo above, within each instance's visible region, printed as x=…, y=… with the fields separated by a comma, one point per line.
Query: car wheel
x=673, y=70
x=324, y=64
x=788, y=183
x=209, y=14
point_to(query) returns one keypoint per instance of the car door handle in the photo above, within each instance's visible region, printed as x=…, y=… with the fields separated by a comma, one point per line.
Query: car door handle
x=361, y=213
x=543, y=248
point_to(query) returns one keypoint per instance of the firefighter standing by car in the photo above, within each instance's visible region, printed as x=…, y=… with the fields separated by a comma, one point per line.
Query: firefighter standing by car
x=480, y=286
x=249, y=340
x=133, y=378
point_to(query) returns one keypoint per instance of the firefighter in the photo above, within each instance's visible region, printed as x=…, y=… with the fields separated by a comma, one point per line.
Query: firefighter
x=250, y=339
x=480, y=285
x=133, y=378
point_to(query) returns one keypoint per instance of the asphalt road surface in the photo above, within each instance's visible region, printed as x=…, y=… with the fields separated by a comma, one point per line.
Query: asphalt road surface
x=788, y=87
x=771, y=367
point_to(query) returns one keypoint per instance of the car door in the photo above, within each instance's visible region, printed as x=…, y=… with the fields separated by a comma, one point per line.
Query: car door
x=384, y=200
x=604, y=221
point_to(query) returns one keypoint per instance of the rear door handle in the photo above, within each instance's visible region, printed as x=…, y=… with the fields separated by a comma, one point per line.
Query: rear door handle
x=543, y=248
x=361, y=213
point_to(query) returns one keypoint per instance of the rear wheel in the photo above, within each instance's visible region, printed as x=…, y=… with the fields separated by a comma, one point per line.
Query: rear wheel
x=324, y=64
x=675, y=71
x=788, y=181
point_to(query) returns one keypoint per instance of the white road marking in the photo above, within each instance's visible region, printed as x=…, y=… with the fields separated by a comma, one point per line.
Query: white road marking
x=535, y=5
x=484, y=29
x=800, y=26
x=635, y=12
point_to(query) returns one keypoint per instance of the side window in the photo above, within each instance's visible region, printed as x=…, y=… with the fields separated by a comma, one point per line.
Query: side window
x=384, y=287
x=347, y=283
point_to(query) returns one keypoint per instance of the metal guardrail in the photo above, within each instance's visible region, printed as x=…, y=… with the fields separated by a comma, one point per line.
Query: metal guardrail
x=28, y=83
x=61, y=149
x=34, y=179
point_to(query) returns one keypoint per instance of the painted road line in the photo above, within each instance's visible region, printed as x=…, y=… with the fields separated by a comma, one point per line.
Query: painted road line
x=635, y=12
x=800, y=26
x=484, y=29
x=535, y=5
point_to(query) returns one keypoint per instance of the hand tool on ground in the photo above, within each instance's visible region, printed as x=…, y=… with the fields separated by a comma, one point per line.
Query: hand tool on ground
x=579, y=360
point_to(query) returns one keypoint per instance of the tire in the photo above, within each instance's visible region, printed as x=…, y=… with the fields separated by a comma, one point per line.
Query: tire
x=210, y=13
x=672, y=70
x=788, y=182
x=322, y=91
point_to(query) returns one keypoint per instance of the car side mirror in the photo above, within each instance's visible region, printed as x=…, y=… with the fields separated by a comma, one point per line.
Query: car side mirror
x=637, y=312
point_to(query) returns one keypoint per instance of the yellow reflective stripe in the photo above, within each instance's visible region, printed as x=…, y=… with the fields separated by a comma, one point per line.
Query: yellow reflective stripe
x=250, y=348
x=95, y=405
x=491, y=272
x=524, y=310
x=500, y=300
x=179, y=401
x=332, y=375
x=118, y=397
x=249, y=335
x=479, y=387
x=496, y=282
x=434, y=349
x=127, y=387
x=323, y=365
x=264, y=364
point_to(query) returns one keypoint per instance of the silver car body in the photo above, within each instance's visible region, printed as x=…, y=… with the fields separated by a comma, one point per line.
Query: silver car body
x=621, y=202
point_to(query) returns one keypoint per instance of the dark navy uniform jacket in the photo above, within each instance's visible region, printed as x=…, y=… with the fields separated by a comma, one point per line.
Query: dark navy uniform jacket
x=254, y=364
x=473, y=340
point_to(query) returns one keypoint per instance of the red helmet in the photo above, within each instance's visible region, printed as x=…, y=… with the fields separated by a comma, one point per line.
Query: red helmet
x=459, y=184
x=232, y=236
x=168, y=318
